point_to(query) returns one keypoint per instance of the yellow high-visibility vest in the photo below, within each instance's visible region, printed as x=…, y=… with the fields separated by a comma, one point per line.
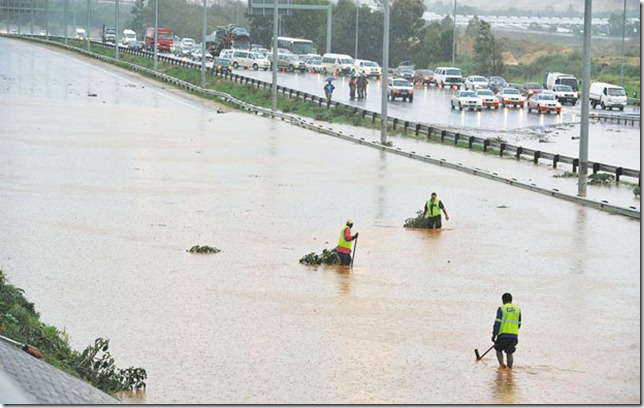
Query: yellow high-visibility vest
x=509, y=319
x=433, y=209
x=342, y=243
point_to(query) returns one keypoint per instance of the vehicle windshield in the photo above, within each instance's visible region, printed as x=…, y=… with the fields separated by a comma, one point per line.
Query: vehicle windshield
x=302, y=48
x=532, y=86
x=369, y=64
x=346, y=61
x=616, y=92
x=400, y=82
x=547, y=97
x=484, y=92
x=511, y=91
x=164, y=36
x=479, y=79
x=572, y=82
x=426, y=72
x=454, y=71
x=563, y=88
x=468, y=94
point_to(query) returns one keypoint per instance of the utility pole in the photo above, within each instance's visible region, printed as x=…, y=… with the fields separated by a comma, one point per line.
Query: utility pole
x=89, y=16
x=116, y=30
x=621, y=71
x=203, y=45
x=385, y=75
x=585, y=103
x=156, y=35
x=47, y=18
x=275, y=32
x=355, y=55
x=454, y=37
x=65, y=21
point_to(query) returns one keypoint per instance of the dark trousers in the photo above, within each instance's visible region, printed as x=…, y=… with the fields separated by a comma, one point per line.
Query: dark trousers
x=345, y=259
x=434, y=222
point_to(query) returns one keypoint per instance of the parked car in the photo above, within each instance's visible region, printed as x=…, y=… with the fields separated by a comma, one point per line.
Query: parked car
x=288, y=62
x=497, y=83
x=488, y=99
x=241, y=58
x=313, y=64
x=474, y=82
x=511, y=97
x=222, y=65
x=530, y=88
x=544, y=102
x=565, y=93
x=368, y=68
x=448, y=76
x=423, y=76
x=466, y=99
x=400, y=88
x=405, y=71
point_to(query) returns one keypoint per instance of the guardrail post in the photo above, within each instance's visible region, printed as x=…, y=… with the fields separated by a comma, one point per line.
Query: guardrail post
x=470, y=142
x=456, y=137
x=373, y=118
x=595, y=168
x=417, y=130
x=575, y=164
x=537, y=154
x=501, y=149
x=555, y=159
x=395, y=123
x=486, y=143
x=405, y=126
x=618, y=173
x=443, y=132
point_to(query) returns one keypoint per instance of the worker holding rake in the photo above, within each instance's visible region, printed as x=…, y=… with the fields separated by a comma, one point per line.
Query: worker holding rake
x=505, y=333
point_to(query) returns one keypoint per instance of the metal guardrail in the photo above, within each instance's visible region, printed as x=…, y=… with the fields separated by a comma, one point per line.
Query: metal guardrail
x=431, y=132
x=602, y=205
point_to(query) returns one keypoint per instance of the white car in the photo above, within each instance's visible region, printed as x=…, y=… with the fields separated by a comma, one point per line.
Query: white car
x=188, y=42
x=511, y=97
x=247, y=59
x=400, y=88
x=369, y=68
x=466, y=99
x=488, y=98
x=544, y=102
x=565, y=93
x=474, y=82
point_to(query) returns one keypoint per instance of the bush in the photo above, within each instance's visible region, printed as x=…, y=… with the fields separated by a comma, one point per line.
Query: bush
x=327, y=257
x=417, y=222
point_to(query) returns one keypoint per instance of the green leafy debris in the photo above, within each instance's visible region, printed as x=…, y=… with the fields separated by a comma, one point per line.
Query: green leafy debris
x=327, y=257
x=418, y=221
x=203, y=250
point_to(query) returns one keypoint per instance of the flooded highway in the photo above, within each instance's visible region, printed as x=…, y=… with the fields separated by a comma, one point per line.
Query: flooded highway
x=108, y=178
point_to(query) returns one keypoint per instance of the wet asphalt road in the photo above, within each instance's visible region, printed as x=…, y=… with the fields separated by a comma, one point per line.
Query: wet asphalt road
x=102, y=195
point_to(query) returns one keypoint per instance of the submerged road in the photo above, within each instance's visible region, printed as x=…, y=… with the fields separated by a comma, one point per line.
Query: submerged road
x=102, y=196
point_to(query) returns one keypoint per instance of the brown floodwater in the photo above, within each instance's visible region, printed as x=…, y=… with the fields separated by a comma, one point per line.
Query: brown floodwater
x=100, y=202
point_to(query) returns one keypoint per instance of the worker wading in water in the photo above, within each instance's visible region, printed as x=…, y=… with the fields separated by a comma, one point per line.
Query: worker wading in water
x=344, y=243
x=505, y=333
x=433, y=208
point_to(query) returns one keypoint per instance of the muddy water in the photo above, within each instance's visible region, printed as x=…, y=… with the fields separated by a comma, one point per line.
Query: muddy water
x=101, y=201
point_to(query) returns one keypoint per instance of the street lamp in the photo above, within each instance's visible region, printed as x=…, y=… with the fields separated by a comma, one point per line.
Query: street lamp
x=355, y=55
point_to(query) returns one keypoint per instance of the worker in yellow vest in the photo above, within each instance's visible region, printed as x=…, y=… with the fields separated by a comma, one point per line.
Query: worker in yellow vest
x=505, y=333
x=433, y=208
x=344, y=243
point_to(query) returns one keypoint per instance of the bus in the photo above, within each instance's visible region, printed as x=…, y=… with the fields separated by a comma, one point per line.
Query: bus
x=297, y=46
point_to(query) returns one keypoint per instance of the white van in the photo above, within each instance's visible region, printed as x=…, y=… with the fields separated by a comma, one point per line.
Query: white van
x=336, y=63
x=448, y=76
x=129, y=36
x=557, y=78
x=607, y=96
x=241, y=58
x=80, y=34
x=367, y=67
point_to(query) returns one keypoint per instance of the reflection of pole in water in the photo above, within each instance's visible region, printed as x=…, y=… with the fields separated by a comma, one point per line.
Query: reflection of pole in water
x=505, y=389
x=343, y=275
x=380, y=206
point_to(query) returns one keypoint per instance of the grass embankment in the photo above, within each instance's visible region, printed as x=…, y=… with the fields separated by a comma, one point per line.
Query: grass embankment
x=20, y=321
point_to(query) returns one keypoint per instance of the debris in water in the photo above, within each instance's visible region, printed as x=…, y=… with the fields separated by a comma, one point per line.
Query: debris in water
x=203, y=250
x=91, y=94
x=418, y=222
x=327, y=257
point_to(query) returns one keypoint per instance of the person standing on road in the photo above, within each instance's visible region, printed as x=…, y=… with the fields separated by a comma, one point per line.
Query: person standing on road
x=505, y=333
x=433, y=208
x=328, y=90
x=352, y=87
x=344, y=243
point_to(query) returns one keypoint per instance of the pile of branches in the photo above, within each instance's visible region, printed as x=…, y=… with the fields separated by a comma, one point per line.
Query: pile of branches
x=417, y=222
x=203, y=250
x=327, y=257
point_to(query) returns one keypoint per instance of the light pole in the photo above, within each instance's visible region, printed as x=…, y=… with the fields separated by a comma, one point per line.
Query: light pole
x=275, y=33
x=116, y=30
x=454, y=37
x=355, y=55
x=385, y=74
x=47, y=18
x=89, y=16
x=156, y=34
x=621, y=70
x=65, y=21
x=203, y=45
x=585, y=103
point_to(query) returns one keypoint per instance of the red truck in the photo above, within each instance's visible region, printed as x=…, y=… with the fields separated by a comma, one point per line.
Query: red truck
x=164, y=40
